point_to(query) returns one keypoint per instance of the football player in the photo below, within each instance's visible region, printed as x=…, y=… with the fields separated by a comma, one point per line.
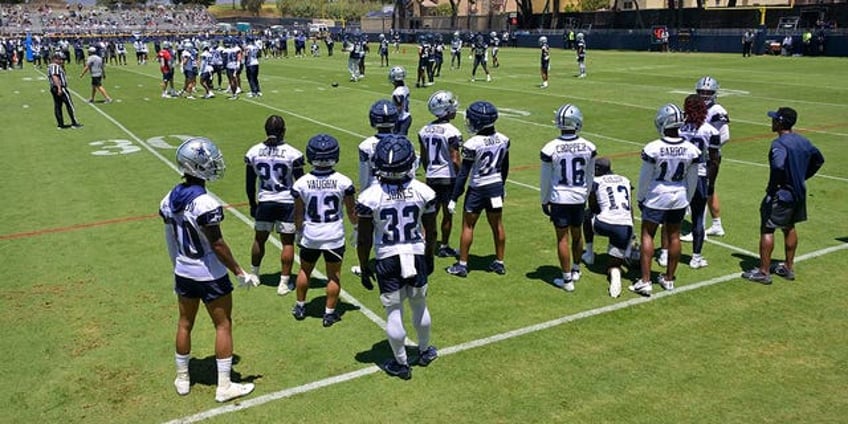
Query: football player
x=383, y=116
x=704, y=136
x=400, y=96
x=251, y=61
x=707, y=88
x=353, y=59
x=319, y=198
x=485, y=161
x=480, y=51
x=201, y=258
x=189, y=65
x=456, y=50
x=565, y=181
x=166, y=66
x=667, y=183
x=609, y=201
x=581, y=55
x=438, y=55
x=398, y=217
x=545, y=60
x=384, y=50
x=495, y=42
x=275, y=165
x=206, y=70
x=424, y=64
x=232, y=61
x=440, y=141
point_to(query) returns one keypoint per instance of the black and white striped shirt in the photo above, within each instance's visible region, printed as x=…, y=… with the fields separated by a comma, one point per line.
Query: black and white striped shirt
x=56, y=69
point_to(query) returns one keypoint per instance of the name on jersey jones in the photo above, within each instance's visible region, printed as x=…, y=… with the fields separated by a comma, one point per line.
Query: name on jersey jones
x=434, y=129
x=405, y=194
x=491, y=141
x=322, y=184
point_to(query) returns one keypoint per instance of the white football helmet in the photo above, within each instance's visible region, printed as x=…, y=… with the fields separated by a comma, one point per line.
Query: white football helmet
x=397, y=73
x=707, y=87
x=442, y=103
x=669, y=116
x=493, y=34
x=568, y=118
x=200, y=158
x=543, y=40
x=580, y=36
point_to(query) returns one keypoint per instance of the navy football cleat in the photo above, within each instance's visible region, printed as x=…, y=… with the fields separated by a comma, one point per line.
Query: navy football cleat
x=396, y=369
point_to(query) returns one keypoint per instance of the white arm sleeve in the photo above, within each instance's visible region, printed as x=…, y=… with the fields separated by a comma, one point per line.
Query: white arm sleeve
x=644, y=180
x=171, y=241
x=691, y=182
x=545, y=182
x=590, y=178
x=364, y=175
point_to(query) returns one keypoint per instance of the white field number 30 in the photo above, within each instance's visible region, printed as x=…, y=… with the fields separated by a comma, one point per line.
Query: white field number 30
x=113, y=147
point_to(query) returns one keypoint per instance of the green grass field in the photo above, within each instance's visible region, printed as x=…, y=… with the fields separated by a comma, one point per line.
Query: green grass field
x=89, y=314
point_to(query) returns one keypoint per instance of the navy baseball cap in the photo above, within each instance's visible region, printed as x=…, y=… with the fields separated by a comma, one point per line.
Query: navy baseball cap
x=785, y=115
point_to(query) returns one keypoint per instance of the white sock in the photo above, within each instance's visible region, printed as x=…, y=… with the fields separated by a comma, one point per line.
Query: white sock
x=284, y=280
x=463, y=263
x=182, y=362
x=396, y=332
x=224, y=367
x=717, y=222
x=421, y=321
x=663, y=252
x=300, y=303
x=588, y=247
x=329, y=310
x=254, y=269
x=566, y=277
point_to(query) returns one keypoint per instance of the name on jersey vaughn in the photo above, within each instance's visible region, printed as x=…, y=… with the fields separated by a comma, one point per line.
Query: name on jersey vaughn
x=322, y=184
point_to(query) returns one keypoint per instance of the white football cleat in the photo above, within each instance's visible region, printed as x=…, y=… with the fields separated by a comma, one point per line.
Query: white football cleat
x=697, y=262
x=641, y=287
x=686, y=238
x=567, y=286
x=356, y=270
x=715, y=230
x=615, y=283
x=183, y=384
x=232, y=391
x=665, y=284
x=662, y=259
x=283, y=289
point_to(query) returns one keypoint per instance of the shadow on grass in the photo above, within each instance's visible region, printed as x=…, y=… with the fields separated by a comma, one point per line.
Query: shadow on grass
x=381, y=352
x=273, y=280
x=747, y=262
x=546, y=274
x=315, y=307
x=205, y=371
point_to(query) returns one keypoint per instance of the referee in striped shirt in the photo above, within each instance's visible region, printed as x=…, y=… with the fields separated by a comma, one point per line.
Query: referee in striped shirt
x=59, y=90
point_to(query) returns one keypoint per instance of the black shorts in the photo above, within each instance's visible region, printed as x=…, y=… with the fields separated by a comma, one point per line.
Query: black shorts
x=443, y=188
x=389, y=276
x=619, y=235
x=485, y=197
x=777, y=211
x=96, y=81
x=330, y=255
x=659, y=216
x=207, y=291
x=567, y=215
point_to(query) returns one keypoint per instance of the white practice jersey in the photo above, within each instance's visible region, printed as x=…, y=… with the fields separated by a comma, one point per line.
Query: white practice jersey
x=396, y=211
x=705, y=138
x=613, y=195
x=186, y=216
x=669, y=173
x=251, y=55
x=400, y=95
x=717, y=117
x=568, y=167
x=273, y=165
x=323, y=221
x=366, y=163
x=488, y=153
x=231, y=57
x=206, y=62
x=437, y=139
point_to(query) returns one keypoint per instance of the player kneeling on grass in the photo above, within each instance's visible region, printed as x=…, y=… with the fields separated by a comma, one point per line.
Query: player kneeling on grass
x=565, y=185
x=201, y=259
x=398, y=216
x=609, y=201
x=319, y=197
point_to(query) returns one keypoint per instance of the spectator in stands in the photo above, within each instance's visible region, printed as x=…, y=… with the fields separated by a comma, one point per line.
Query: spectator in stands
x=806, y=40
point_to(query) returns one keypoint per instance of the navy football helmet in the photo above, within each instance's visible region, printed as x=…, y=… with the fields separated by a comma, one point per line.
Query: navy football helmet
x=480, y=115
x=322, y=150
x=394, y=158
x=383, y=114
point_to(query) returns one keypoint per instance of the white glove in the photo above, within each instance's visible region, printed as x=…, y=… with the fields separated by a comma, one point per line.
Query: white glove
x=452, y=207
x=247, y=280
x=354, y=237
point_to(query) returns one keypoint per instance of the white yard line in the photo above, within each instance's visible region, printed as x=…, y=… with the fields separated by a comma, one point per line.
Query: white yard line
x=292, y=391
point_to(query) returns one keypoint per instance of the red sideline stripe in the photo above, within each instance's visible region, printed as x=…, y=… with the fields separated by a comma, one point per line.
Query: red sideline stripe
x=74, y=227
